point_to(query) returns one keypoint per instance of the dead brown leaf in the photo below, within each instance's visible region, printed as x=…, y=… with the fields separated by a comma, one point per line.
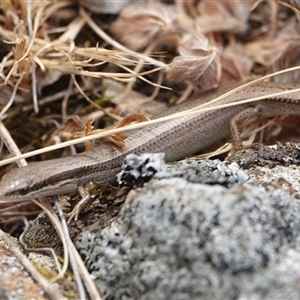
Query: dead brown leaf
x=199, y=62
x=119, y=138
x=138, y=24
x=268, y=51
x=104, y=6
x=226, y=15
x=236, y=64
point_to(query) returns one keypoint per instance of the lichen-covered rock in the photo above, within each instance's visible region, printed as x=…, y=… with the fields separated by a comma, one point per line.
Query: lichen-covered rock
x=178, y=240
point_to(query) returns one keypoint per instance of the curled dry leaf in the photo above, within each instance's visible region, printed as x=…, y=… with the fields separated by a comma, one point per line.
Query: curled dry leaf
x=119, y=138
x=70, y=129
x=88, y=145
x=226, y=15
x=74, y=122
x=104, y=6
x=268, y=51
x=138, y=24
x=20, y=48
x=199, y=63
x=236, y=64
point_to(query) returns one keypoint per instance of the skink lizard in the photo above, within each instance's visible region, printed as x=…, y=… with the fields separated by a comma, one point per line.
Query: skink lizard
x=177, y=138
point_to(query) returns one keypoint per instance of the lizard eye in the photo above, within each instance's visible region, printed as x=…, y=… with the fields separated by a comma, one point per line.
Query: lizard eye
x=23, y=191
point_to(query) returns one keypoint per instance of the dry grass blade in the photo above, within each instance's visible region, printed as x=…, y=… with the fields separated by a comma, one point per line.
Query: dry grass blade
x=55, y=56
x=78, y=267
x=32, y=52
x=117, y=45
x=197, y=109
x=10, y=144
x=73, y=264
x=46, y=207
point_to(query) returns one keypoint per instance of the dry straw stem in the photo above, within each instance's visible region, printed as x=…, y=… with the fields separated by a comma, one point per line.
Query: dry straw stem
x=10, y=144
x=47, y=208
x=198, y=109
x=31, y=52
x=57, y=56
x=22, y=240
x=82, y=277
x=248, y=137
x=115, y=44
x=61, y=54
x=293, y=5
x=70, y=252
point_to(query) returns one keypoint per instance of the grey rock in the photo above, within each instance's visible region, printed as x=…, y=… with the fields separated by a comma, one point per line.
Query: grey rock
x=177, y=239
x=205, y=171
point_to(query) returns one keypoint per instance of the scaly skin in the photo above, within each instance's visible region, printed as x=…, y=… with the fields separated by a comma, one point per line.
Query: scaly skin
x=177, y=138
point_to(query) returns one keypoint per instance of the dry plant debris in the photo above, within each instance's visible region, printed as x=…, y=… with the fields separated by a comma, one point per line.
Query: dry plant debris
x=201, y=44
x=198, y=63
x=55, y=55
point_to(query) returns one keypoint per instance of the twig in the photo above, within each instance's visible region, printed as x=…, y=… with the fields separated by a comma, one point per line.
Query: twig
x=11, y=145
x=12, y=97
